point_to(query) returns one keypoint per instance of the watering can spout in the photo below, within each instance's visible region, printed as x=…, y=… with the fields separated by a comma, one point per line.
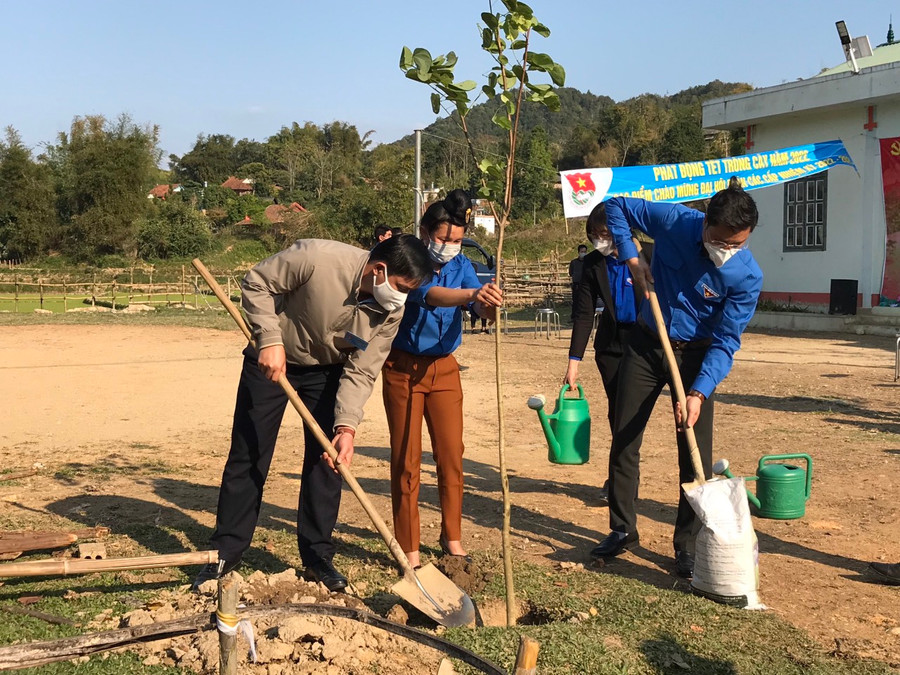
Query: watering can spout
x=537, y=403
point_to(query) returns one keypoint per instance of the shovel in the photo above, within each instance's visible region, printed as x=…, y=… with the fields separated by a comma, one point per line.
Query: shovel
x=427, y=589
x=699, y=475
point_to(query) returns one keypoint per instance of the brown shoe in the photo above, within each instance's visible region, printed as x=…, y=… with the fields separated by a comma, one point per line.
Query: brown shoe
x=887, y=573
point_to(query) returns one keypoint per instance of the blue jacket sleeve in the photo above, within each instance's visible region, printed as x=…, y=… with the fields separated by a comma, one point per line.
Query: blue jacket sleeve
x=624, y=214
x=726, y=338
x=469, y=278
x=417, y=295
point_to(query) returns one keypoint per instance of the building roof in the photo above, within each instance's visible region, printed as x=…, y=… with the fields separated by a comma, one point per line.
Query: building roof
x=826, y=91
x=238, y=184
x=160, y=191
x=275, y=213
x=881, y=55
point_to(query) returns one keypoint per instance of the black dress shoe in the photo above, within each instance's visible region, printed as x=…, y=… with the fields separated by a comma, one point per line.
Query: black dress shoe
x=615, y=544
x=325, y=572
x=445, y=549
x=213, y=572
x=684, y=564
x=887, y=573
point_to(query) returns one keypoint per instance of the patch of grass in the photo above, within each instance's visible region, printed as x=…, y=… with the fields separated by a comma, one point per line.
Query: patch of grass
x=171, y=316
x=637, y=628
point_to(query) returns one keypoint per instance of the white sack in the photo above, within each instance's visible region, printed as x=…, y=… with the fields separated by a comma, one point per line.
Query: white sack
x=726, y=556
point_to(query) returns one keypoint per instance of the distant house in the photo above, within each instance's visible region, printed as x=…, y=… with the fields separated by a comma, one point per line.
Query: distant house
x=163, y=191
x=275, y=213
x=242, y=186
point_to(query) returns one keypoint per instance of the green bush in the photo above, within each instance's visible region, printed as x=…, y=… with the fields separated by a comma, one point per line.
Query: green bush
x=173, y=231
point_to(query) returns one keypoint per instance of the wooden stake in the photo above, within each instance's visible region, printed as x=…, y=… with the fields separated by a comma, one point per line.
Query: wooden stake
x=65, y=567
x=227, y=613
x=182, y=287
x=526, y=658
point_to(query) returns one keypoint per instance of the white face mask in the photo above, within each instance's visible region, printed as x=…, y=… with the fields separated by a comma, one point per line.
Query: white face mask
x=581, y=255
x=441, y=252
x=718, y=255
x=386, y=295
x=605, y=246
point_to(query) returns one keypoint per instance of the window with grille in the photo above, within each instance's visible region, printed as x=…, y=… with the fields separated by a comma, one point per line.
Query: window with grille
x=805, y=203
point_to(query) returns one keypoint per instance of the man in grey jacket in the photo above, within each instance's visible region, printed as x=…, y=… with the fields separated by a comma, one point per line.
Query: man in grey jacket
x=324, y=314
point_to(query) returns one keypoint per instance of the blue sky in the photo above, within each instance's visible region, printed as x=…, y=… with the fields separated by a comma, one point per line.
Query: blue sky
x=248, y=68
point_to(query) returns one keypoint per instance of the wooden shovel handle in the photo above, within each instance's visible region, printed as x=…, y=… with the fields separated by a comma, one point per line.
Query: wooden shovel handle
x=312, y=425
x=699, y=474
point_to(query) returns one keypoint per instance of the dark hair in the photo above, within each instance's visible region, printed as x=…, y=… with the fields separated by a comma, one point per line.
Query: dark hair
x=582, y=246
x=395, y=231
x=404, y=255
x=381, y=230
x=455, y=208
x=733, y=208
x=596, y=222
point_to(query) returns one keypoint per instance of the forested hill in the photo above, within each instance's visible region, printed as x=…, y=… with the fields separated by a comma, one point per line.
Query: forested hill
x=590, y=126
x=576, y=108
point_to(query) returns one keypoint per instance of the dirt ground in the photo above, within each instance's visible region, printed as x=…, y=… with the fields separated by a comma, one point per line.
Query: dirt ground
x=136, y=396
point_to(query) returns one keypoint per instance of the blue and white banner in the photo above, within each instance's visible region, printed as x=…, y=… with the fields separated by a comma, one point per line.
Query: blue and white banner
x=583, y=189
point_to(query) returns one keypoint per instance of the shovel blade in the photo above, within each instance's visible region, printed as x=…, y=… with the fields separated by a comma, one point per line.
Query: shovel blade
x=436, y=597
x=693, y=485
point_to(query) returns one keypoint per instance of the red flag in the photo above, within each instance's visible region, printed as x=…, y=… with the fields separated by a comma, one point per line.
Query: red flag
x=581, y=182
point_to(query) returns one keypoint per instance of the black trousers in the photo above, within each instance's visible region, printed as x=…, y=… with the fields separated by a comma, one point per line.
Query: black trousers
x=608, y=361
x=258, y=413
x=642, y=374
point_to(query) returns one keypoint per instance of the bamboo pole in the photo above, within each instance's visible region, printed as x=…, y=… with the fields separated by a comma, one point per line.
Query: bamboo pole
x=65, y=297
x=182, y=286
x=526, y=658
x=41, y=291
x=226, y=613
x=113, y=293
x=65, y=567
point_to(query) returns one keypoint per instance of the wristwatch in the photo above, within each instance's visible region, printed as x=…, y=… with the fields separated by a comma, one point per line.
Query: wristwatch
x=694, y=392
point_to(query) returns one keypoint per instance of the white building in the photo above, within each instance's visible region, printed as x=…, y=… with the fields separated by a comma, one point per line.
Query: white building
x=831, y=225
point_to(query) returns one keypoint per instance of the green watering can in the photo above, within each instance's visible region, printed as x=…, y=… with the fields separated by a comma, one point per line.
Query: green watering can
x=568, y=429
x=782, y=490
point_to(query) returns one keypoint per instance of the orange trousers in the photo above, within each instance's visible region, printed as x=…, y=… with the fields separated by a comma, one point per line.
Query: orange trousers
x=429, y=386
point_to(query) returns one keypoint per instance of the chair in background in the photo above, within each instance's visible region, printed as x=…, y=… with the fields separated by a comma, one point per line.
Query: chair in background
x=547, y=319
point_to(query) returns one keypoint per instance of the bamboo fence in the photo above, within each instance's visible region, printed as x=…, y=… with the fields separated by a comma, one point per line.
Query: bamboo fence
x=25, y=290
x=543, y=284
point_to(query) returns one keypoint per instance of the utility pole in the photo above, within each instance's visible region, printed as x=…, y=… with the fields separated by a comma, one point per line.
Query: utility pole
x=418, y=187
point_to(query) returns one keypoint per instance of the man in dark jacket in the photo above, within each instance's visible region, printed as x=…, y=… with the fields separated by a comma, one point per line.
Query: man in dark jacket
x=606, y=278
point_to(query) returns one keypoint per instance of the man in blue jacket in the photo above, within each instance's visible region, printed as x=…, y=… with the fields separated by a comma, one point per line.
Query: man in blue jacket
x=708, y=284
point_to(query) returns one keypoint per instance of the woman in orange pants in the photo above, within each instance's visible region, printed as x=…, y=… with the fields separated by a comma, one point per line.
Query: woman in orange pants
x=421, y=376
